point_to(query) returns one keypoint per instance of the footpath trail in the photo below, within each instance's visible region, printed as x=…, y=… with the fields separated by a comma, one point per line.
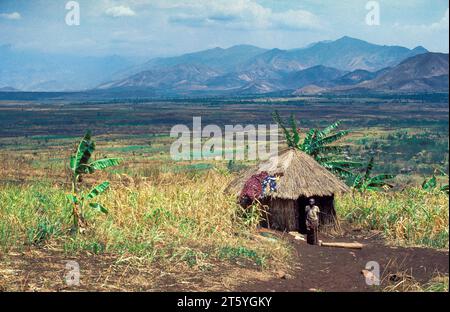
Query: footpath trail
x=336, y=269
x=313, y=268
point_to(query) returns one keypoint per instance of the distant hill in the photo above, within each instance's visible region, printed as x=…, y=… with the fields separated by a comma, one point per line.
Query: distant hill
x=224, y=60
x=319, y=75
x=425, y=72
x=346, y=54
x=177, y=77
x=245, y=68
x=358, y=76
x=428, y=72
x=8, y=89
x=221, y=60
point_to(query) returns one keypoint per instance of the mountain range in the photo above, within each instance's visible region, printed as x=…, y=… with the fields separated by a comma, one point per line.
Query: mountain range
x=344, y=65
x=426, y=72
x=332, y=66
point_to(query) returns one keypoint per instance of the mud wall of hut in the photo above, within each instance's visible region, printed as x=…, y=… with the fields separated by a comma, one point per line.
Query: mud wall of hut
x=283, y=215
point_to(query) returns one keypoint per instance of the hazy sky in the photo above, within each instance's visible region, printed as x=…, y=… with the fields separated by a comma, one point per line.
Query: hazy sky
x=169, y=27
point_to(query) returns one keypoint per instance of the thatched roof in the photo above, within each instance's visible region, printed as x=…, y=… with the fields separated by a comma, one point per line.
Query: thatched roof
x=301, y=176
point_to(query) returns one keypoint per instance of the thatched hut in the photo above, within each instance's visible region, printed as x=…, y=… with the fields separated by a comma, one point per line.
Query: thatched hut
x=300, y=178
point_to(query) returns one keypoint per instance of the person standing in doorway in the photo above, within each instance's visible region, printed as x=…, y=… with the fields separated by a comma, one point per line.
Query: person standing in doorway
x=312, y=222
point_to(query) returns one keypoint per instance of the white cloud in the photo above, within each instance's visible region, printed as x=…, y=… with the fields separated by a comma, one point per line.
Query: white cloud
x=11, y=16
x=295, y=19
x=119, y=11
x=433, y=36
x=442, y=24
x=246, y=14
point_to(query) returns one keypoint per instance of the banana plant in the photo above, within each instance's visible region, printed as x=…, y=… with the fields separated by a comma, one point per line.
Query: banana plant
x=81, y=163
x=319, y=144
x=367, y=182
x=292, y=134
x=319, y=141
x=431, y=183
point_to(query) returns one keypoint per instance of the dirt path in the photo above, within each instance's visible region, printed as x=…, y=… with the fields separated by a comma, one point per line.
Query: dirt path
x=336, y=269
x=314, y=269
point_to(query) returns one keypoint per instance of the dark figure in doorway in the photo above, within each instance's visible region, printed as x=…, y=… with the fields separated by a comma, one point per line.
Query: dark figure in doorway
x=312, y=222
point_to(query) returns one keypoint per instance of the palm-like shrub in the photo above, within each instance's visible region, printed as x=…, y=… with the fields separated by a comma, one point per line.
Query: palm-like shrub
x=81, y=163
x=431, y=184
x=319, y=144
x=367, y=182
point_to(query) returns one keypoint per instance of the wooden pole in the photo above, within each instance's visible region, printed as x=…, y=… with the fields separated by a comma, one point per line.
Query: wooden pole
x=343, y=245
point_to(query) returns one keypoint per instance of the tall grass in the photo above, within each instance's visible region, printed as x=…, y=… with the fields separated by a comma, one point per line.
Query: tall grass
x=186, y=217
x=409, y=217
x=175, y=217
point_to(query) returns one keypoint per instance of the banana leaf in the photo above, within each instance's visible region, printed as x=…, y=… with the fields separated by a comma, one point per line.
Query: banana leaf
x=333, y=138
x=308, y=145
x=287, y=134
x=98, y=207
x=369, y=169
x=84, y=152
x=99, y=189
x=430, y=184
x=327, y=149
x=331, y=128
x=85, y=169
x=294, y=129
x=339, y=169
x=105, y=163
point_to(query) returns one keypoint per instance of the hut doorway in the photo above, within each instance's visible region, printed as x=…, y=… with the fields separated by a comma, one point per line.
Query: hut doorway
x=327, y=211
x=302, y=202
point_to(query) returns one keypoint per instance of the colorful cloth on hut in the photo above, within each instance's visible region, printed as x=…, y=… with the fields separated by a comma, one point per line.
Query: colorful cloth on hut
x=259, y=186
x=269, y=185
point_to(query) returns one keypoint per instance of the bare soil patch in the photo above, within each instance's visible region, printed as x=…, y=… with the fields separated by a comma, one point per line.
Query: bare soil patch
x=313, y=268
x=335, y=269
